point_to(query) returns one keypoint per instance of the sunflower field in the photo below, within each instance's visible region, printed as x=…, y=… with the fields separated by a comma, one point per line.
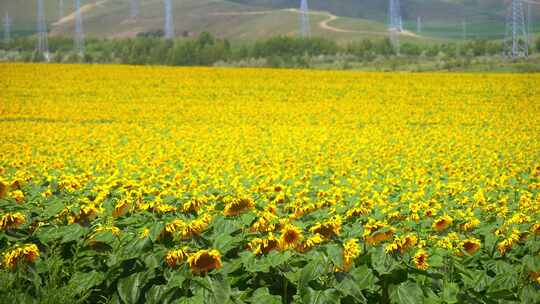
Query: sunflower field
x=202, y=185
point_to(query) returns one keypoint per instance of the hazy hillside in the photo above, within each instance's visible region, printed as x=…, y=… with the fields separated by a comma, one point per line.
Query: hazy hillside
x=253, y=19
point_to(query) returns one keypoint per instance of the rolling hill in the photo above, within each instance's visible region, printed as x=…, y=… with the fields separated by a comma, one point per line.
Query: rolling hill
x=246, y=20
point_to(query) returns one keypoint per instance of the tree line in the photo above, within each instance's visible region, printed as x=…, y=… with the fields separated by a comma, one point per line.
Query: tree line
x=206, y=50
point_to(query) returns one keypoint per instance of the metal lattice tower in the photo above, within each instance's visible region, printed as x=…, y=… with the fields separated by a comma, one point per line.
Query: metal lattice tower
x=418, y=24
x=134, y=8
x=7, y=29
x=60, y=9
x=516, y=39
x=394, y=15
x=305, y=28
x=169, y=24
x=42, y=41
x=395, y=24
x=529, y=23
x=79, y=34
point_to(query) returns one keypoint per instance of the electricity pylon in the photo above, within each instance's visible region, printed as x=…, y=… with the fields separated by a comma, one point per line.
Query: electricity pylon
x=42, y=39
x=79, y=34
x=169, y=23
x=7, y=29
x=395, y=24
x=516, y=38
x=305, y=29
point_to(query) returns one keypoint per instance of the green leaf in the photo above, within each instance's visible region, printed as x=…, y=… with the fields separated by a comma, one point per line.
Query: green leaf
x=503, y=281
x=310, y=272
x=262, y=295
x=157, y=294
x=53, y=208
x=335, y=253
x=450, y=292
x=321, y=297
x=364, y=278
x=129, y=289
x=407, y=293
x=220, y=288
x=348, y=287
x=530, y=294
x=82, y=282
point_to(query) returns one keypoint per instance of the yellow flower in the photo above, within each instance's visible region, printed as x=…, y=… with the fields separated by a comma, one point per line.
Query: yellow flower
x=420, y=260
x=121, y=208
x=351, y=250
x=309, y=243
x=402, y=244
x=12, y=220
x=174, y=258
x=27, y=253
x=144, y=233
x=471, y=246
x=290, y=236
x=536, y=229
x=18, y=196
x=204, y=261
x=238, y=206
x=442, y=223
x=327, y=229
x=263, y=246
x=4, y=188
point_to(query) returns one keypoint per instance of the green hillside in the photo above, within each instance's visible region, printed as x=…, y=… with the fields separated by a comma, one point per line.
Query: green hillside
x=341, y=20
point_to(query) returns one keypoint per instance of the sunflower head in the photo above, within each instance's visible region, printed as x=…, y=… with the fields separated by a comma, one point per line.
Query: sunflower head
x=420, y=260
x=351, y=250
x=27, y=253
x=11, y=220
x=471, y=246
x=174, y=258
x=263, y=246
x=204, y=261
x=309, y=243
x=290, y=236
x=238, y=206
x=328, y=229
x=535, y=229
x=4, y=188
x=442, y=223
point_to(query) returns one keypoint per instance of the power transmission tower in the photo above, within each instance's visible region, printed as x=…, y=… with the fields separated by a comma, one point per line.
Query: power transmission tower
x=7, y=29
x=169, y=24
x=42, y=41
x=60, y=9
x=418, y=24
x=79, y=34
x=516, y=38
x=134, y=8
x=395, y=24
x=305, y=28
x=529, y=23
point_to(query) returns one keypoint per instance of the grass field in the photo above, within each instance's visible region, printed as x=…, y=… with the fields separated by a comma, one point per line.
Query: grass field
x=127, y=184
